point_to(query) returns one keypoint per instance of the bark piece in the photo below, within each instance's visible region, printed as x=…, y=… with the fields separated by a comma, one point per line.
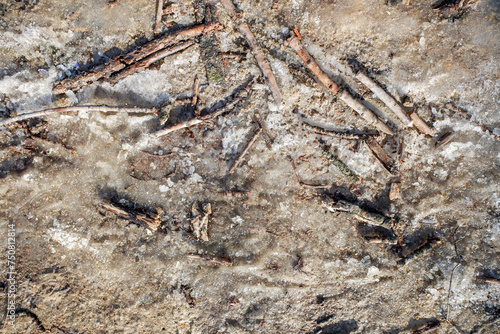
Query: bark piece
x=395, y=191
x=378, y=152
x=445, y=140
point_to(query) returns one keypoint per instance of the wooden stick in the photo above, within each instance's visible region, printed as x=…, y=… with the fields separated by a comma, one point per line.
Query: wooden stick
x=353, y=134
x=421, y=125
x=196, y=90
x=335, y=89
x=151, y=223
x=267, y=138
x=211, y=258
x=235, y=98
x=245, y=151
x=159, y=14
x=105, y=109
x=259, y=55
x=118, y=63
x=146, y=62
x=386, y=98
x=378, y=152
x=354, y=209
x=444, y=140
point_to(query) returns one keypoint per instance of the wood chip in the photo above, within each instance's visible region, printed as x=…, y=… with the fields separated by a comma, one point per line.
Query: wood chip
x=395, y=192
x=378, y=152
x=199, y=224
x=445, y=140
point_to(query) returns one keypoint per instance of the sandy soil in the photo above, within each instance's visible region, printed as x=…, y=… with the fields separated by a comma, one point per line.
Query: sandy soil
x=295, y=266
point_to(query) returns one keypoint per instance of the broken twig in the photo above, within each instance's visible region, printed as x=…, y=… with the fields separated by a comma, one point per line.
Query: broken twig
x=196, y=90
x=146, y=62
x=105, y=109
x=444, y=140
x=262, y=125
x=380, y=155
x=259, y=55
x=245, y=150
x=369, y=116
x=386, y=98
x=234, y=100
x=421, y=125
x=150, y=221
x=363, y=215
x=211, y=258
x=341, y=134
x=159, y=14
x=118, y=63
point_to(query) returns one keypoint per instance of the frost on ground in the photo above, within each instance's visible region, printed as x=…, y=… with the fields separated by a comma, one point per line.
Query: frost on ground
x=296, y=267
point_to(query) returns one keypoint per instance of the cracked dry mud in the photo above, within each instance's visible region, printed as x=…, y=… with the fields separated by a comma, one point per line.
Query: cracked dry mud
x=276, y=259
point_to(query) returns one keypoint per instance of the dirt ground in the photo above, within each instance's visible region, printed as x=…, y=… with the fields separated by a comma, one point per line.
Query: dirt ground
x=274, y=258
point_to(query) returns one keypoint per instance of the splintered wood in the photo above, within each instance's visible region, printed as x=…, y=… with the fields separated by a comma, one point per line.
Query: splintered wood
x=448, y=137
x=199, y=224
x=149, y=220
x=359, y=213
x=345, y=96
x=378, y=152
x=120, y=62
x=105, y=109
x=259, y=55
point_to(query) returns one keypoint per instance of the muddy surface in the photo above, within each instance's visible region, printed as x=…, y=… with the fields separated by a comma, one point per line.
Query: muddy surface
x=423, y=257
